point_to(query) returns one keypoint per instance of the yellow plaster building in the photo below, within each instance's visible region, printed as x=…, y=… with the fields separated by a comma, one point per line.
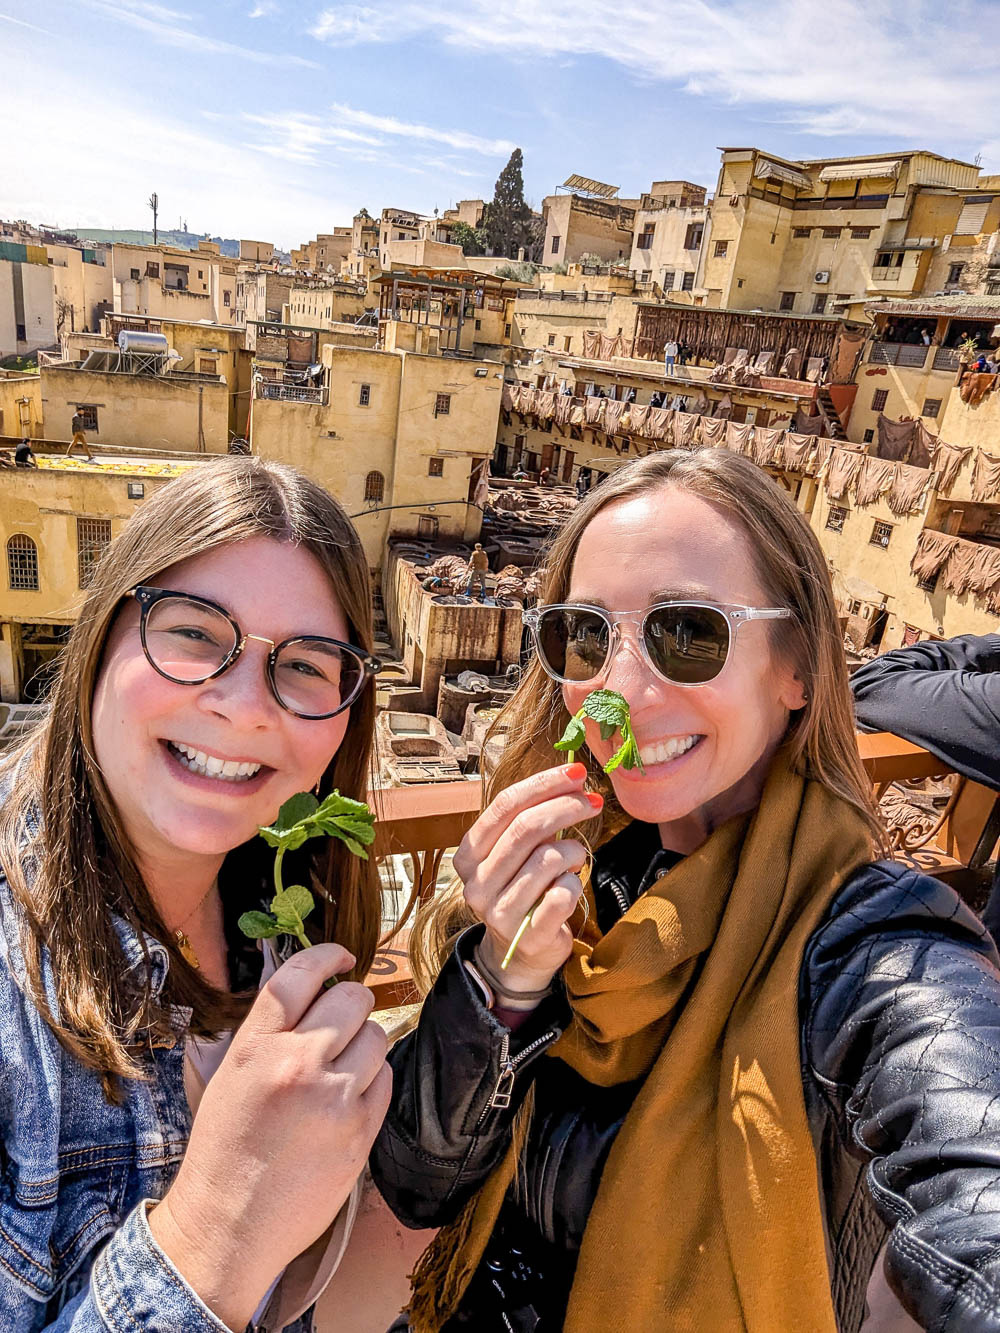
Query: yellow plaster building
x=83, y=288
x=27, y=311
x=166, y=282
x=670, y=225
x=319, y=302
x=589, y=219
x=20, y=406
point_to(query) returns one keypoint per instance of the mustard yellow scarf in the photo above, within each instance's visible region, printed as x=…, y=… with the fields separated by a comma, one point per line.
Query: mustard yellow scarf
x=708, y=1215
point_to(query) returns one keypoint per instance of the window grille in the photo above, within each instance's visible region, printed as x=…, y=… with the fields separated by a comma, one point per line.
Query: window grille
x=869, y=435
x=435, y=467
x=802, y=233
x=687, y=282
x=928, y=584
x=881, y=533
x=442, y=404
x=22, y=563
x=831, y=233
x=365, y=396
x=93, y=536
x=89, y=414
x=861, y=233
x=374, y=488
x=819, y=303
x=879, y=399
x=835, y=518
x=721, y=249
x=787, y=301
x=931, y=408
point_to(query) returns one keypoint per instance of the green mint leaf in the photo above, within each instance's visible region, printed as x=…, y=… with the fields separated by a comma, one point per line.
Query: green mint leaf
x=335, y=805
x=574, y=737
x=618, y=759
x=354, y=827
x=296, y=810
x=259, y=925
x=606, y=706
x=291, y=907
x=608, y=729
x=353, y=845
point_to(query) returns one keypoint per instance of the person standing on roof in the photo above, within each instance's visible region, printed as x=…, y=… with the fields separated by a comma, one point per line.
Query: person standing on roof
x=479, y=565
x=670, y=350
x=78, y=425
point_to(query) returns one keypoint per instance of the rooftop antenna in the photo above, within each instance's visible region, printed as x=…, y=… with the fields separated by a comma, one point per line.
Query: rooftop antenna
x=154, y=203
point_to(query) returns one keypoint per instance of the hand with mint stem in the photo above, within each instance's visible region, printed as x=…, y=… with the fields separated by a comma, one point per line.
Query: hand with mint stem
x=610, y=711
x=301, y=817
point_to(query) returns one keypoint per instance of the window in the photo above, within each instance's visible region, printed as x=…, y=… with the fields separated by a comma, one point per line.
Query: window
x=374, y=488
x=831, y=233
x=479, y=325
x=506, y=330
x=993, y=289
x=787, y=301
x=802, y=233
x=643, y=275
x=152, y=270
x=955, y=272
x=365, y=395
x=869, y=435
x=687, y=282
x=929, y=584
x=819, y=303
x=89, y=414
x=567, y=344
x=134, y=274
x=435, y=467
x=93, y=536
x=835, y=518
x=740, y=282
x=555, y=244
x=136, y=490
x=881, y=533
x=21, y=334
x=721, y=249
x=552, y=340
x=442, y=404
x=668, y=280
x=200, y=274
x=227, y=298
x=645, y=241
x=207, y=366
x=427, y=527
x=879, y=399
x=931, y=407
x=22, y=563
x=861, y=233
x=692, y=240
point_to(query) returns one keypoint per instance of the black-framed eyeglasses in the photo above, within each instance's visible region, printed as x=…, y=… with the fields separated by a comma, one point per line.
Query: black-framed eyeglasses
x=686, y=643
x=189, y=640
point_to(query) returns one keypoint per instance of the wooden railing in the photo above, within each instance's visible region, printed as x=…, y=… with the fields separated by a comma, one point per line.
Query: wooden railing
x=422, y=822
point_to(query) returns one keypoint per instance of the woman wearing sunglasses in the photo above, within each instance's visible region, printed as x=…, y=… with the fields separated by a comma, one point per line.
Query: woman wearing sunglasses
x=221, y=663
x=756, y=1084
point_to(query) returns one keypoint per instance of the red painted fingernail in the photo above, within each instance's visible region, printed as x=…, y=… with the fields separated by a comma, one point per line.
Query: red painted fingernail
x=596, y=799
x=575, y=772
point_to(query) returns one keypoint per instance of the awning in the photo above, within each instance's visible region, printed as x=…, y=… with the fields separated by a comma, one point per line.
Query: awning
x=765, y=169
x=861, y=171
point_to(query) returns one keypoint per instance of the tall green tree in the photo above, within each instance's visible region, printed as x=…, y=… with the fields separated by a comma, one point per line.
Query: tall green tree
x=471, y=239
x=507, y=219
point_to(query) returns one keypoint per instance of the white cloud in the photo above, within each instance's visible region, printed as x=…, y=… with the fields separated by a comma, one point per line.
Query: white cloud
x=300, y=137
x=459, y=139
x=263, y=9
x=908, y=73
x=167, y=26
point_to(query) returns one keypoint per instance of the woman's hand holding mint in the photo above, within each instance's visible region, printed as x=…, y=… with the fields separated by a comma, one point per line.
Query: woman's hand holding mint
x=514, y=858
x=283, y=1131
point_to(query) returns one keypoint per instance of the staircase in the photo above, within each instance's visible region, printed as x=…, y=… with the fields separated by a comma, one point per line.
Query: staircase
x=827, y=409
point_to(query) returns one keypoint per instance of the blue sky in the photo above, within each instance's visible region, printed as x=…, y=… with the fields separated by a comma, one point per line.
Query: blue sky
x=272, y=120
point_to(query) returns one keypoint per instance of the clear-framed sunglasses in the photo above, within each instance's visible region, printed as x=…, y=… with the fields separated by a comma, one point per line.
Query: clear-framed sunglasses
x=686, y=643
x=189, y=640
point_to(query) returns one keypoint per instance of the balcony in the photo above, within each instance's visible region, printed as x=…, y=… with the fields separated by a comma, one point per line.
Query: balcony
x=897, y=354
x=424, y=822
x=946, y=358
x=291, y=393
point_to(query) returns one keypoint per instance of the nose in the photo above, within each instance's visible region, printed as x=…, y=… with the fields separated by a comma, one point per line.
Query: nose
x=629, y=673
x=242, y=694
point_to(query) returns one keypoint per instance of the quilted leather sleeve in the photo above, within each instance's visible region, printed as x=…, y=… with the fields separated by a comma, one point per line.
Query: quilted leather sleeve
x=903, y=1040
x=458, y=1081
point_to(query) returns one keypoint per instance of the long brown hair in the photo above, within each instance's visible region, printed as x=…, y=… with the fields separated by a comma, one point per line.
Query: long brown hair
x=793, y=573
x=83, y=868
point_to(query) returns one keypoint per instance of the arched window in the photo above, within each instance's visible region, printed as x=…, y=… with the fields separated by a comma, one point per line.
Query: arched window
x=22, y=563
x=374, y=488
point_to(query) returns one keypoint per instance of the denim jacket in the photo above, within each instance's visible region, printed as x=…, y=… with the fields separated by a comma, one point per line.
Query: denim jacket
x=78, y=1176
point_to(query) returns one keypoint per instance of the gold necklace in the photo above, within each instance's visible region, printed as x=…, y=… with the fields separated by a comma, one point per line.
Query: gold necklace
x=181, y=936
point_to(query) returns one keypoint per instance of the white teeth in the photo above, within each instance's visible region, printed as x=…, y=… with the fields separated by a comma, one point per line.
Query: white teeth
x=663, y=751
x=211, y=766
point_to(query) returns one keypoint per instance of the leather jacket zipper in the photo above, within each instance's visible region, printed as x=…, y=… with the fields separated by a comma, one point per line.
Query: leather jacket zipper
x=504, y=1089
x=620, y=897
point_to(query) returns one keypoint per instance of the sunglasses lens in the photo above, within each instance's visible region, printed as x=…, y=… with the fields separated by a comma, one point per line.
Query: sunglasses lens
x=314, y=677
x=186, y=641
x=687, y=644
x=573, y=644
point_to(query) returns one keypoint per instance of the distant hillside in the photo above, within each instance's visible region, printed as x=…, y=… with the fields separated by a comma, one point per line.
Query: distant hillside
x=183, y=240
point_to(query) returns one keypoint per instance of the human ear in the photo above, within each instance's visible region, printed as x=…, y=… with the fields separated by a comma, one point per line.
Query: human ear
x=793, y=694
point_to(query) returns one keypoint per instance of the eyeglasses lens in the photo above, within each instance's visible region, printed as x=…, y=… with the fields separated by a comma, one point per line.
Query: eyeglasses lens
x=574, y=644
x=188, y=642
x=687, y=644
x=315, y=677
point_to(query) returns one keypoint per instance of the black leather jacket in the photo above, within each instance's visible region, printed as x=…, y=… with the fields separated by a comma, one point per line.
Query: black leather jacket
x=899, y=999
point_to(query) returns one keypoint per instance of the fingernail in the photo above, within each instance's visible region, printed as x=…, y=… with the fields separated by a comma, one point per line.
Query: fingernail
x=575, y=772
x=595, y=799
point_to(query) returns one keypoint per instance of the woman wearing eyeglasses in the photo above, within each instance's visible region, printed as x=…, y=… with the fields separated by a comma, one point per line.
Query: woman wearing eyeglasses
x=221, y=663
x=755, y=1085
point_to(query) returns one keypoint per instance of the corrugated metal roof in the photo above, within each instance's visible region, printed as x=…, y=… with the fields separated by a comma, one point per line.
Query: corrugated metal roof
x=590, y=186
x=856, y=171
x=971, y=306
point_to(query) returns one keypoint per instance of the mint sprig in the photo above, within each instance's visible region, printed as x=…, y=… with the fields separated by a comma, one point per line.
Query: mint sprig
x=302, y=817
x=610, y=711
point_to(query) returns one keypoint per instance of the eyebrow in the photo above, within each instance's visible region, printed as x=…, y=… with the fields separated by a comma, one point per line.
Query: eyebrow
x=692, y=593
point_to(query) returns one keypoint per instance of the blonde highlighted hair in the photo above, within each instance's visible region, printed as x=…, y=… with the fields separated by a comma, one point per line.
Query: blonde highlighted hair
x=793, y=573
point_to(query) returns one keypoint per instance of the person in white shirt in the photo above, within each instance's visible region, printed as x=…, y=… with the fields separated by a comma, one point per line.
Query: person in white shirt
x=669, y=356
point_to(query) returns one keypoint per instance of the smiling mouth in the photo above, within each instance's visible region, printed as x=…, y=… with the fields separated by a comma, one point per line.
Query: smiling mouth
x=661, y=752
x=212, y=766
